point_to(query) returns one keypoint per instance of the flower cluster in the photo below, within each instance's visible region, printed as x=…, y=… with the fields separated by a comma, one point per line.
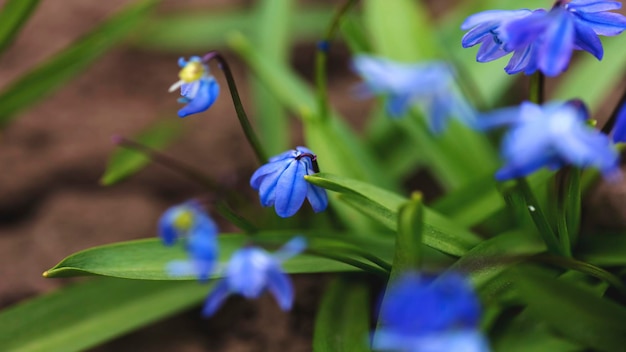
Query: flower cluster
x=421, y=314
x=543, y=40
x=198, y=88
x=429, y=84
x=250, y=271
x=281, y=182
x=552, y=135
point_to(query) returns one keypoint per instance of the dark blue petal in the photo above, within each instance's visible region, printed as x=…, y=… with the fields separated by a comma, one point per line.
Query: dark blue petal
x=215, y=298
x=279, y=285
x=524, y=31
x=587, y=39
x=317, y=198
x=478, y=34
x=291, y=190
x=619, y=131
x=592, y=5
x=604, y=23
x=558, y=44
x=523, y=60
x=490, y=50
x=267, y=169
x=269, y=184
x=205, y=96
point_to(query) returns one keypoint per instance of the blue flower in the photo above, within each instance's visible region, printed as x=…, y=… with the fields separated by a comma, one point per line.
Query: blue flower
x=543, y=40
x=198, y=88
x=200, y=232
x=551, y=136
x=281, y=182
x=420, y=314
x=251, y=271
x=430, y=84
x=619, y=131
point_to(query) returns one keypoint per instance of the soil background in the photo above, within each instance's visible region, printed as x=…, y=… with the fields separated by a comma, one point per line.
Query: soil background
x=53, y=155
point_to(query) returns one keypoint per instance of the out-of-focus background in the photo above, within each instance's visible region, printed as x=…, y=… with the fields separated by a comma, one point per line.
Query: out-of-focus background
x=53, y=155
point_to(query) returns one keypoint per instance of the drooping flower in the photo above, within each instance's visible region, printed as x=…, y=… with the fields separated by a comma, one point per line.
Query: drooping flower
x=619, y=131
x=281, y=182
x=420, y=314
x=552, y=135
x=430, y=84
x=543, y=40
x=251, y=271
x=198, y=87
x=188, y=221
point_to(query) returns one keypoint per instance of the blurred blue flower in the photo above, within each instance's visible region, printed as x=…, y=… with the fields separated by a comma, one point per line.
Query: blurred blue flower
x=619, y=130
x=421, y=314
x=281, y=182
x=543, y=40
x=251, y=271
x=198, y=88
x=431, y=84
x=189, y=221
x=551, y=135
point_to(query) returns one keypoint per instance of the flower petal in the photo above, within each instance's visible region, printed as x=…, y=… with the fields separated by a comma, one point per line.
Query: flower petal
x=558, y=44
x=587, y=39
x=619, y=131
x=205, y=96
x=604, y=23
x=215, y=298
x=592, y=5
x=279, y=285
x=291, y=189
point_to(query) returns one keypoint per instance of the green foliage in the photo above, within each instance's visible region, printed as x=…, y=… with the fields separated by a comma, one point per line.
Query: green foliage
x=342, y=324
x=46, y=77
x=126, y=162
x=86, y=314
x=13, y=16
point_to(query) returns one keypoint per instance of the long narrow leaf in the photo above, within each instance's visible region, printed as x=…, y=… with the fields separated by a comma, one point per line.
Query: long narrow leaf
x=12, y=17
x=42, y=80
x=84, y=315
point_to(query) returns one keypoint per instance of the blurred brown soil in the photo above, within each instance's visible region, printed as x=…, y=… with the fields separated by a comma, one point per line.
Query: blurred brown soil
x=51, y=158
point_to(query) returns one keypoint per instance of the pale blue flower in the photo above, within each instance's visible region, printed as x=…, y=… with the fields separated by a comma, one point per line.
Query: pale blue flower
x=551, y=135
x=419, y=314
x=251, y=271
x=188, y=221
x=198, y=88
x=281, y=182
x=430, y=85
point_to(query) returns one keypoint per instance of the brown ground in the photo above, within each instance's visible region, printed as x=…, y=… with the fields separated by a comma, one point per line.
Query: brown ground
x=52, y=157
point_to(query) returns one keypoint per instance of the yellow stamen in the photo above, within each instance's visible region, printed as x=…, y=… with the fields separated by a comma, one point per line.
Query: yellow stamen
x=184, y=220
x=193, y=71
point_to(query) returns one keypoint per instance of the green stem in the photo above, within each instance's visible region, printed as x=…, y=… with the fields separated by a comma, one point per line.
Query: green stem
x=583, y=267
x=539, y=217
x=537, y=83
x=321, y=58
x=194, y=175
x=241, y=113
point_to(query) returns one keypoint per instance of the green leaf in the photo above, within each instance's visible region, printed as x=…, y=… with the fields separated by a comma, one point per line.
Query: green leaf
x=400, y=29
x=84, y=315
x=12, y=17
x=343, y=320
x=439, y=232
x=575, y=312
x=126, y=162
x=490, y=258
x=66, y=64
x=147, y=259
x=408, y=246
x=604, y=250
x=200, y=31
x=273, y=38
